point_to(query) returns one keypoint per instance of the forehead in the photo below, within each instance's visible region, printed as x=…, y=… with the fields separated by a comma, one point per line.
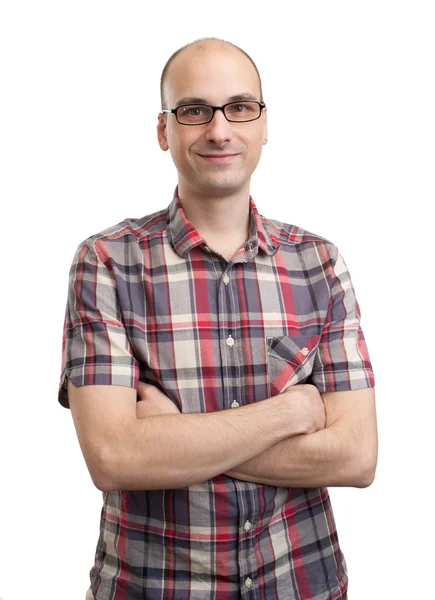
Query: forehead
x=213, y=74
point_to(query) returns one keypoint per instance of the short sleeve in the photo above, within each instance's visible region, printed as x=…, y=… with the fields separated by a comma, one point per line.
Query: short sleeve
x=95, y=345
x=342, y=360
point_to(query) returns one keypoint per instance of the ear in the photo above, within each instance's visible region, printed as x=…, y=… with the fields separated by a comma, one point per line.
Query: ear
x=265, y=135
x=161, y=131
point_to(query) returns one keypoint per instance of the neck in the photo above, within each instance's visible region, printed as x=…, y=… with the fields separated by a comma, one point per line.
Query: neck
x=222, y=220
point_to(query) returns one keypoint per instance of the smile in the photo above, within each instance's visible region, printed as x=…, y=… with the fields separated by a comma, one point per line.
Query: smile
x=218, y=158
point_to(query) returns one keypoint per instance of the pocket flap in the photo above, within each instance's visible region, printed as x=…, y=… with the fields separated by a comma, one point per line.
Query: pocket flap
x=293, y=349
x=290, y=360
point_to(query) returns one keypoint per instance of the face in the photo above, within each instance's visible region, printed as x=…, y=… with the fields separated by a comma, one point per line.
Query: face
x=215, y=75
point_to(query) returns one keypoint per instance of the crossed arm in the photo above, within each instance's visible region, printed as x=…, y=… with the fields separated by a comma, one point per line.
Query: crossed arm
x=344, y=453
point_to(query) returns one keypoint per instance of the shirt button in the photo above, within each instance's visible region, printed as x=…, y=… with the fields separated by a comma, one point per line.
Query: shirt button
x=230, y=341
x=247, y=526
x=305, y=351
x=248, y=582
x=235, y=404
x=226, y=279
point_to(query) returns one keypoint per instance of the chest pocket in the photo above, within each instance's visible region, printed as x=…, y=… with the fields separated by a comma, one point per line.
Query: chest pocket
x=290, y=360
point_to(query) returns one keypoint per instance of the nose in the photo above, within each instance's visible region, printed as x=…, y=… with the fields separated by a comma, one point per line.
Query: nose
x=219, y=129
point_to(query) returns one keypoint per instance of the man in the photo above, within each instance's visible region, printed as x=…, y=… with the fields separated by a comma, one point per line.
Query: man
x=241, y=337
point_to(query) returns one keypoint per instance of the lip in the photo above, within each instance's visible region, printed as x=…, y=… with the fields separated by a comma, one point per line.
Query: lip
x=218, y=158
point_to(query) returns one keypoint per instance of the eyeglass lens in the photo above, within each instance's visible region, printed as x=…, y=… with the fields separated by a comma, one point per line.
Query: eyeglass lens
x=196, y=114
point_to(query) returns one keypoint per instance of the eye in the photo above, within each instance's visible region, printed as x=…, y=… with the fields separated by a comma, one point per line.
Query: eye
x=242, y=107
x=192, y=111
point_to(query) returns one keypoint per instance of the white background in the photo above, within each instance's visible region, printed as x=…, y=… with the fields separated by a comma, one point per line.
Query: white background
x=350, y=94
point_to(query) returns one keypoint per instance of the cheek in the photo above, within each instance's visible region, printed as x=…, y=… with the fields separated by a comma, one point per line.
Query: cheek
x=255, y=140
x=179, y=145
x=176, y=149
x=256, y=146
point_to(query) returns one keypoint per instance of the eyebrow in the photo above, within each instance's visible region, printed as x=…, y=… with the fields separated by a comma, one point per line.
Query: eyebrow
x=195, y=100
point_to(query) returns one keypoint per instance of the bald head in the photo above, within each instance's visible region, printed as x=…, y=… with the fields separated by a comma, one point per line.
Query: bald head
x=193, y=52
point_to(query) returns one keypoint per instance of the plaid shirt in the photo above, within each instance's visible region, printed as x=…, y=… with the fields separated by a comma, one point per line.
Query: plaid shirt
x=149, y=300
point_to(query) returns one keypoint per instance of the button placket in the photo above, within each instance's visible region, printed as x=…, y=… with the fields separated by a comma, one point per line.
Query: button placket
x=248, y=509
x=226, y=341
x=232, y=354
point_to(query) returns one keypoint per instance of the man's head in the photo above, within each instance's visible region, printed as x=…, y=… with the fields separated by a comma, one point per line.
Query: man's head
x=215, y=71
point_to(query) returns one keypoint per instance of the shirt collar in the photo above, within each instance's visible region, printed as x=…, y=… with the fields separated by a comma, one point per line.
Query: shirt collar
x=183, y=236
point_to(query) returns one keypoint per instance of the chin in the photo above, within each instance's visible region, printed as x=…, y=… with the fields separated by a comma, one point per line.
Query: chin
x=218, y=183
x=220, y=187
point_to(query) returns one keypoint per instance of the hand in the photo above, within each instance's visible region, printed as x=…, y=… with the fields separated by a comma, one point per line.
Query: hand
x=153, y=402
x=307, y=407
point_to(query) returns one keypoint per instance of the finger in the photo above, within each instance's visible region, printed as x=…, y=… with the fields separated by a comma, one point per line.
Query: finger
x=142, y=388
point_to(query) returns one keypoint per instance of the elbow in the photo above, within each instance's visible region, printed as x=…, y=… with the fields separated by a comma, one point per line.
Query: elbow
x=102, y=475
x=104, y=483
x=365, y=471
x=365, y=478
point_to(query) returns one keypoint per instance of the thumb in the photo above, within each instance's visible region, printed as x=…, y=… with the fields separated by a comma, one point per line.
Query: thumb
x=142, y=388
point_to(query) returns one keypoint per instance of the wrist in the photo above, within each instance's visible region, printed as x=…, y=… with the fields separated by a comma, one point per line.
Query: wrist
x=287, y=422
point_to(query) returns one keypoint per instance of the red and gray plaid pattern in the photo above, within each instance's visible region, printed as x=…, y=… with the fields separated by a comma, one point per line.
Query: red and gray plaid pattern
x=149, y=300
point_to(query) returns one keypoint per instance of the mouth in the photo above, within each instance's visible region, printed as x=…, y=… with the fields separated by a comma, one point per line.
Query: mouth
x=218, y=158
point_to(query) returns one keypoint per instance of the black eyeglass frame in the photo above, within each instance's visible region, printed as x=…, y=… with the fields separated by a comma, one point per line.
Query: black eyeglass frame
x=214, y=108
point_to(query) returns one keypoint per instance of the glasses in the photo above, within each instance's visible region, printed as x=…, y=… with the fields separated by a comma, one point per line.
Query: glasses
x=198, y=114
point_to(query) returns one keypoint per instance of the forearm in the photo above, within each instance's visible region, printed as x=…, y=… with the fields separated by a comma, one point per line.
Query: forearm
x=319, y=459
x=177, y=450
